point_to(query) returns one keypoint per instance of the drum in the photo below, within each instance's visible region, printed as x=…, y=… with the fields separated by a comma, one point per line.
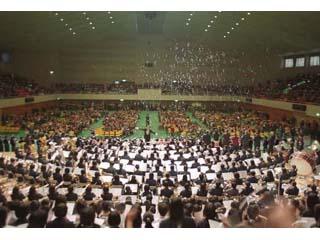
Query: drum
x=305, y=162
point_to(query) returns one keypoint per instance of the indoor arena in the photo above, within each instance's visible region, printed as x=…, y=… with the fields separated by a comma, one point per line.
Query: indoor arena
x=159, y=119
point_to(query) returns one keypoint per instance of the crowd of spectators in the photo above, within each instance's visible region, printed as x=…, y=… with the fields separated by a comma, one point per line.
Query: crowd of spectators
x=125, y=121
x=178, y=123
x=301, y=88
x=252, y=129
x=12, y=86
x=66, y=118
x=118, y=87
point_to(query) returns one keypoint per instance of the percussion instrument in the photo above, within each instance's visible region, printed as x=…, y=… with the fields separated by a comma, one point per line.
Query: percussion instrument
x=305, y=162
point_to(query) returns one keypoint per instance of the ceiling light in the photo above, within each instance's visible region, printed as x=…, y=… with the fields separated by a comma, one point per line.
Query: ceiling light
x=209, y=25
x=112, y=22
x=110, y=17
x=124, y=80
x=61, y=19
x=84, y=13
x=237, y=24
x=66, y=24
x=87, y=18
x=93, y=27
x=51, y=72
x=190, y=14
x=56, y=14
x=228, y=32
x=224, y=36
x=206, y=30
x=189, y=19
x=176, y=100
x=121, y=100
x=70, y=29
x=232, y=28
x=211, y=21
x=187, y=23
x=248, y=13
x=74, y=33
x=242, y=19
x=216, y=16
x=109, y=12
x=90, y=23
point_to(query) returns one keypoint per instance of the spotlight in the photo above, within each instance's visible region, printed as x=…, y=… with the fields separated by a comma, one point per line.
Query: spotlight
x=51, y=72
x=206, y=30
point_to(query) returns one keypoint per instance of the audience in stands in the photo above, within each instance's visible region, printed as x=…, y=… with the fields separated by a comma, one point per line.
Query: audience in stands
x=302, y=88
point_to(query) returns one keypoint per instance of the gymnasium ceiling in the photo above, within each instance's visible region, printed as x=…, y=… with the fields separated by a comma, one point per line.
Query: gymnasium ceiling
x=255, y=31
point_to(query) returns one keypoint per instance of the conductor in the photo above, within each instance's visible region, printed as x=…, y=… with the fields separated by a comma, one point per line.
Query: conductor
x=147, y=133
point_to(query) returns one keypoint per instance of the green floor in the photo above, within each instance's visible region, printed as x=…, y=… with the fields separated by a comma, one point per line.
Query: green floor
x=138, y=133
x=92, y=127
x=154, y=123
x=21, y=133
x=196, y=120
